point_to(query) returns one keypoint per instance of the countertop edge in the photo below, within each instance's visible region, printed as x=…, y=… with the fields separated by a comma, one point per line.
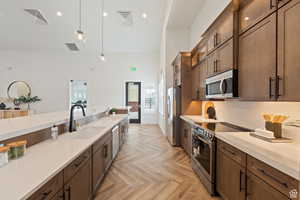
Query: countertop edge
x=65, y=164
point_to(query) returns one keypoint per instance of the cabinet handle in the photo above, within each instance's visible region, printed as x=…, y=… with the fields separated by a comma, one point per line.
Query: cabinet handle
x=46, y=194
x=80, y=161
x=217, y=65
x=270, y=87
x=278, y=79
x=105, y=151
x=198, y=93
x=216, y=36
x=241, y=181
x=273, y=178
x=271, y=4
x=227, y=150
x=69, y=192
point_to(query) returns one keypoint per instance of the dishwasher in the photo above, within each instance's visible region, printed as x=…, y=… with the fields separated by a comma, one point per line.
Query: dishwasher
x=115, y=141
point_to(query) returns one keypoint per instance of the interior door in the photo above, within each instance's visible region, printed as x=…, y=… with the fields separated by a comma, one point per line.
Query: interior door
x=133, y=99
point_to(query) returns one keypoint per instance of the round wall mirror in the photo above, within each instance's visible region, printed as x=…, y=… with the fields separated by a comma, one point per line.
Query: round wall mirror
x=18, y=89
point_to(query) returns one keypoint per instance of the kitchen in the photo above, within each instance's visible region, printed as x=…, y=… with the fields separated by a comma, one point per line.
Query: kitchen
x=224, y=116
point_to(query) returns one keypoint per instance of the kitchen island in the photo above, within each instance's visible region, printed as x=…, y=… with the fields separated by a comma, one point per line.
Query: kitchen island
x=64, y=161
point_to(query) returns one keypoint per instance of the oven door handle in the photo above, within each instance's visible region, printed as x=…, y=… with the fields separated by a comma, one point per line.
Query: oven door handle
x=205, y=141
x=221, y=86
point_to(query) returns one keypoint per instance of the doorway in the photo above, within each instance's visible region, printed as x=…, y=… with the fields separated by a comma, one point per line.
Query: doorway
x=133, y=99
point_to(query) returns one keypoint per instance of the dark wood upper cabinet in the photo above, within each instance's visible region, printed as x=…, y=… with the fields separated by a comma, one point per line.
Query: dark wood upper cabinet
x=257, y=189
x=211, y=64
x=288, y=52
x=257, y=61
x=225, y=58
x=203, y=74
x=221, y=30
x=253, y=11
x=196, y=83
x=79, y=187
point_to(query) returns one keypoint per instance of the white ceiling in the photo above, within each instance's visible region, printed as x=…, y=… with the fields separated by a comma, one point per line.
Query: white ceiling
x=183, y=14
x=20, y=32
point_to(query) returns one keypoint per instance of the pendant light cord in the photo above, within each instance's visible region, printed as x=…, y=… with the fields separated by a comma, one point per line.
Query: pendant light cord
x=80, y=15
x=102, y=27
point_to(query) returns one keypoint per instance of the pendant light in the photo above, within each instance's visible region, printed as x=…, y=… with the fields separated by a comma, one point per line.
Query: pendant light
x=102, y=56
x=79, y=32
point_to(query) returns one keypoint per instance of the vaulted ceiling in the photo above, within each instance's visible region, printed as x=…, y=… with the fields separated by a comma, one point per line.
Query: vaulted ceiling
x=19, y=30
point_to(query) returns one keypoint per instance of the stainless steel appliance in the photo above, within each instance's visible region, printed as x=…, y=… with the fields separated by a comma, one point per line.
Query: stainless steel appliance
x=223, y=85
x=204, y=150
x=174, y=112
x=115, y=141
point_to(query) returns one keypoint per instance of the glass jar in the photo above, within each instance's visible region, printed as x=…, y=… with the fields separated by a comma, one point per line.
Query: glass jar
x=3, y=156
x=17, y=149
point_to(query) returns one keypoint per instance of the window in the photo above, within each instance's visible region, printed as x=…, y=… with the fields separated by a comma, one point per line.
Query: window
x=150, y=99
x=78, y=92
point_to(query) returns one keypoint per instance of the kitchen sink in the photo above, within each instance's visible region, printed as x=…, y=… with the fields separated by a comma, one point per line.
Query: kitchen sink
x=87, y=132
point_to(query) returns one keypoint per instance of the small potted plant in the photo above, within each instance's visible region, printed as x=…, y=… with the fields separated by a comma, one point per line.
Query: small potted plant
x=27, y=100
x=113, y=111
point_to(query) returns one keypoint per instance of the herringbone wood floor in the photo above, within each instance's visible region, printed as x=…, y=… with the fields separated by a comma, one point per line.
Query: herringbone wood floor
x=149, y=168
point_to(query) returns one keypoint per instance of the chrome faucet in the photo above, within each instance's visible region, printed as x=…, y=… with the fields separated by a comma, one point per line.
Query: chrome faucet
x=71, y=125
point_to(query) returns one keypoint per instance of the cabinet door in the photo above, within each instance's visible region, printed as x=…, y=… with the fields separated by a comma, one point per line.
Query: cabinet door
x=211, y=64
x=283, y=2
x=257, y=61
x=203, y=73
x=98, y=167
x=189, y=140
x=231, y=180
x=224, y=59
x=257, y=189
x=79, y=187
x=107, y=153
x=196, y=83
x=59, y=196
x=184, y=134
x=253, y=11
x=289, y=51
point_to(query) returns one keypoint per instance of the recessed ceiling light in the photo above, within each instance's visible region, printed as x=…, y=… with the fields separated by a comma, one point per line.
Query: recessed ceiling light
x=58, y=13
x=144, y=15
x=105, y=14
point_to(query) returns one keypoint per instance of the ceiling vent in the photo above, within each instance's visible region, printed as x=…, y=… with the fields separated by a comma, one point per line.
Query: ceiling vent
x=126, y=17
x=72, y=46
x=40, y=19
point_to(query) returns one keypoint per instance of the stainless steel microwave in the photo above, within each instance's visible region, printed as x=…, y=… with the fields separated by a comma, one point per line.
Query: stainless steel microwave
x=223, y=85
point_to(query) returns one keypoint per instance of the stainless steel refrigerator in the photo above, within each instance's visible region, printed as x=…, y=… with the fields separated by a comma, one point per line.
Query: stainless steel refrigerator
x=174, y=112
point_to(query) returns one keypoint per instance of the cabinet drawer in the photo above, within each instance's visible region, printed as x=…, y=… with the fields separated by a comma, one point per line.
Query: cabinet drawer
x=49, y=190
x=72, y=168
x=273, y=177
x=253, y=11
x=235, y=154
x=99, y=143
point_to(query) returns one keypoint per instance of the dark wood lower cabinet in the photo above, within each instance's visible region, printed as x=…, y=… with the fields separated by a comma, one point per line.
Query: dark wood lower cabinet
x=79, y=187
x=231, y=177
x=81, y=178
x=186, y=137
x=257, y=189
x=253, y=181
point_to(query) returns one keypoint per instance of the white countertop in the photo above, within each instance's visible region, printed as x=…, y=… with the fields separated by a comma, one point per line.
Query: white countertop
x=193, y=119
x=22, y=177
x=285, y=157
x=14, y=127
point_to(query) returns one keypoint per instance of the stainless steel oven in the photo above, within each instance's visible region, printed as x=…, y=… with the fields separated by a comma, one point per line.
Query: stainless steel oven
x=203, y=157
x=223, y=85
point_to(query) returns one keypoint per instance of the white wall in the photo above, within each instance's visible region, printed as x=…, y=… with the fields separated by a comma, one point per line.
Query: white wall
x=208, y=12
x=49, y=74
x=248, y=114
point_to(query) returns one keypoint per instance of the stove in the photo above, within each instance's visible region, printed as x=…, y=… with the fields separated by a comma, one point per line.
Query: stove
x=204, y=150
